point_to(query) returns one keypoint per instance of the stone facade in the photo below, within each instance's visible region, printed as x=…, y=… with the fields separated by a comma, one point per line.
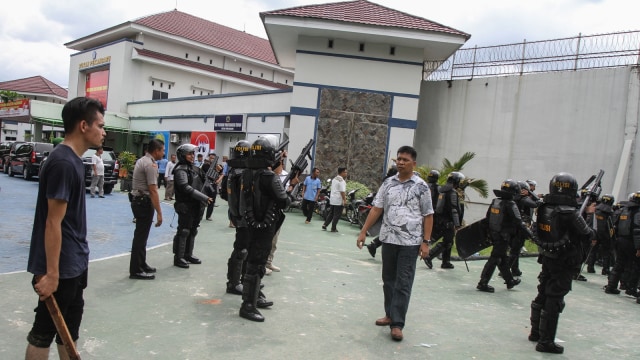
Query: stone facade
x=352, y=132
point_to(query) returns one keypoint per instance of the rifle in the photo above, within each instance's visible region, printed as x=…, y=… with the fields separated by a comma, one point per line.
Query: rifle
x=212, y=174
x=590, y=191
x=301, y=163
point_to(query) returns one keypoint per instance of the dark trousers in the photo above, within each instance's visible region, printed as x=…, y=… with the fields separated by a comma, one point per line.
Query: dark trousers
x=398, y=271
x=555, y=281
x=69, y=297
x=334, y=216
x=143, y=212
x=307, y=208
x=161, y=180
x=259, y=249
x=213, y=195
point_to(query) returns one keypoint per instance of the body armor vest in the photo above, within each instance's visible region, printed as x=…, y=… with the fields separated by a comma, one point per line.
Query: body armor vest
x=195, y=178
x=496, y=215
x=261, y=211
x=234, y=189
x=553, y=235
x=626, y=221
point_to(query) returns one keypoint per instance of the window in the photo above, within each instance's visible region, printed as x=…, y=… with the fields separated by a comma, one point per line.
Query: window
x=186, y=55
x=198, y=58
x=240, y=70
x=153, y=83
x=392, y=50
x=160, y=84
x=158, y=95
x=210, y=62
x=193, y=91
x=330, y=44
x=361, y=46
x=261, y=74
x=169, y=85
x=250, y=72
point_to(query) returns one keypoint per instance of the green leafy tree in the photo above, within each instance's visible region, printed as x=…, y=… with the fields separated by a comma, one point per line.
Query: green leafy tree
x=7, y=95
x=479, y=185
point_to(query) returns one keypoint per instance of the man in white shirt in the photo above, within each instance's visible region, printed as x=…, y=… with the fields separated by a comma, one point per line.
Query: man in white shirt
x=168, y=178
x=97, y=173
x=337, y=199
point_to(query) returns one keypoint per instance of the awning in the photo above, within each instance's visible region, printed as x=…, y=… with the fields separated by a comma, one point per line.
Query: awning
x=58, y=122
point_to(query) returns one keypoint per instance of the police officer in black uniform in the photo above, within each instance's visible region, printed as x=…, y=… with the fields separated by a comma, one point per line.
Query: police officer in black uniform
x=627, y=249
x=189, y=181
x=237, y=165
x=448, y=219
x=604, y=235
x=504, y=222
x=562, y=232
x=264, y=198
x=526, y=205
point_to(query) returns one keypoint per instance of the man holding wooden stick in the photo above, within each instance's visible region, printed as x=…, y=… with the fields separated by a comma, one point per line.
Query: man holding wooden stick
x=59, y=252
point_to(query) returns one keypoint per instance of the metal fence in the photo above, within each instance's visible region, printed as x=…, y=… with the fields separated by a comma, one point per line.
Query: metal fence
x=567, y=54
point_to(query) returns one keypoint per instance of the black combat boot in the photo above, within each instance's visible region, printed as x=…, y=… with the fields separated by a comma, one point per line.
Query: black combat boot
x=234, y=272
x=250, y=293
x=180, y=246
x=485, y=276
x=433, y=253
x=262, y=301
x=548, y=328
x=446, y=257
x=612, y=285
x=188, y=253
x=535, y=321
x=514, y=260
x=505, y=270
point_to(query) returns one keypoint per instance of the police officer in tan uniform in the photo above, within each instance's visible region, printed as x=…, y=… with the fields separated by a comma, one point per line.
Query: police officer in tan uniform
x=144, y=201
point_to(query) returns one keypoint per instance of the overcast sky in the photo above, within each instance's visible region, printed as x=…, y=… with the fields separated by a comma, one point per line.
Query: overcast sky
x=33, y=33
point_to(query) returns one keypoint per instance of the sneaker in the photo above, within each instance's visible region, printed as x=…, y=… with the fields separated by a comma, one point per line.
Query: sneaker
x=307, y=222
x=268, y=271
x=209, y=219
x=273, y=267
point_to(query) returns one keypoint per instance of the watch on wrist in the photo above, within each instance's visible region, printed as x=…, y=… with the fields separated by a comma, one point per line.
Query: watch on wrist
x=425, y=241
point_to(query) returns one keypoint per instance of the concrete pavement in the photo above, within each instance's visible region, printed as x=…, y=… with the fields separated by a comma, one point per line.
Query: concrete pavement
x=327, y=297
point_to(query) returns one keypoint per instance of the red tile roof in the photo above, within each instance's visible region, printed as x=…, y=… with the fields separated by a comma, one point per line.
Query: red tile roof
x=209, y=33
x=213, y=69
x=365, y=12
x=36, y=85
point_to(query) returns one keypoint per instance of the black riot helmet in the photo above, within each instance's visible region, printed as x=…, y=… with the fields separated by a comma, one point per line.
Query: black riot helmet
x=433, y=177
x=524, y=185
x=635, y=197
x=240, y=150
x=183, y=150
x=455, y=178
x=563, y=184
x=532, y=184
x=607, y=199
x=511, y=187
x=264, y=148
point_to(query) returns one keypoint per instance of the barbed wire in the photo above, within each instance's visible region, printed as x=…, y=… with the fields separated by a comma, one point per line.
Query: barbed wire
x=565, y=54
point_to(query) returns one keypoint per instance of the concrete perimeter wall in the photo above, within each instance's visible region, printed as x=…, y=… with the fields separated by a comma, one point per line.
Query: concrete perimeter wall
x=533, y=126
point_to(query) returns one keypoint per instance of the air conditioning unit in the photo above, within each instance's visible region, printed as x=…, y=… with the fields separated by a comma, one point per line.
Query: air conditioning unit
x=174, y=138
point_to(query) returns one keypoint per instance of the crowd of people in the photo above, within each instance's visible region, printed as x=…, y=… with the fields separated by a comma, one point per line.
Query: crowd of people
x=417, y=218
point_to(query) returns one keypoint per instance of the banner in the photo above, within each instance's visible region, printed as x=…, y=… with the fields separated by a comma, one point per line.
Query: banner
x=205, y=141
x=228, y=123
x=164, y=136
x=97, y=86
x=15, y=108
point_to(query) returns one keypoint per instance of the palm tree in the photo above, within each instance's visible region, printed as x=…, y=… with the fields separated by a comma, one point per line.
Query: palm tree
x=478, y=185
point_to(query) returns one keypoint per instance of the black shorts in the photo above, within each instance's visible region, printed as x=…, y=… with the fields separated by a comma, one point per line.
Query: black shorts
x=71, y=303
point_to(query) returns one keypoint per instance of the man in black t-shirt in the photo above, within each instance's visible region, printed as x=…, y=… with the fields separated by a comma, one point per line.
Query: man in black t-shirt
x=59, y=252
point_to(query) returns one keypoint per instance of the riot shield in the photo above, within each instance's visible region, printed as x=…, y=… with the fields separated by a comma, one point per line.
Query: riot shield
x=473, y=238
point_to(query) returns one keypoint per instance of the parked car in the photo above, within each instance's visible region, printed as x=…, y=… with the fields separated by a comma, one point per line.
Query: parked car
x=110, y=168
x=27, y=158
x=6, y=150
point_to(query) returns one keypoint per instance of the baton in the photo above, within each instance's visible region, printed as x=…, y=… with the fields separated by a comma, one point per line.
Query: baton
x=61, y=326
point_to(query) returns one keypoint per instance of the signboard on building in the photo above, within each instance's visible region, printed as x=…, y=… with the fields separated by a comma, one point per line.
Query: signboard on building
x=164, y=136
x=97, y=86
x=228, y=123
x=205, y=141
x=15, y=108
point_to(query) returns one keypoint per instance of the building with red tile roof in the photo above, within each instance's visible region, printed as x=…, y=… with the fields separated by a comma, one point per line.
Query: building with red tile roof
x=36, y=87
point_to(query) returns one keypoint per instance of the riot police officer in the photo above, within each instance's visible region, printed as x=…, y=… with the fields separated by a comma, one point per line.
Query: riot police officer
x=448, y=218
x=504, y=222
x=627, y=248
x=237, y=165
x=264, y=197
x=526, y=204
x=189, y=181
x=561, y=233
x=604, y=235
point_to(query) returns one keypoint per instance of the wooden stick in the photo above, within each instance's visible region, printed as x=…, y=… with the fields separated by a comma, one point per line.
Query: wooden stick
x=61, y=326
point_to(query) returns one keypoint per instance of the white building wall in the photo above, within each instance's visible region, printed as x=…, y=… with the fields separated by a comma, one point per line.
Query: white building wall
x=529, y=127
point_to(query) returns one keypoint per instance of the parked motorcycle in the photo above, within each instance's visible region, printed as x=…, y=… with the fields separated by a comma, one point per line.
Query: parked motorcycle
x=352, y=206
x=322, y=205
x=295, y=197
x=365, y=207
